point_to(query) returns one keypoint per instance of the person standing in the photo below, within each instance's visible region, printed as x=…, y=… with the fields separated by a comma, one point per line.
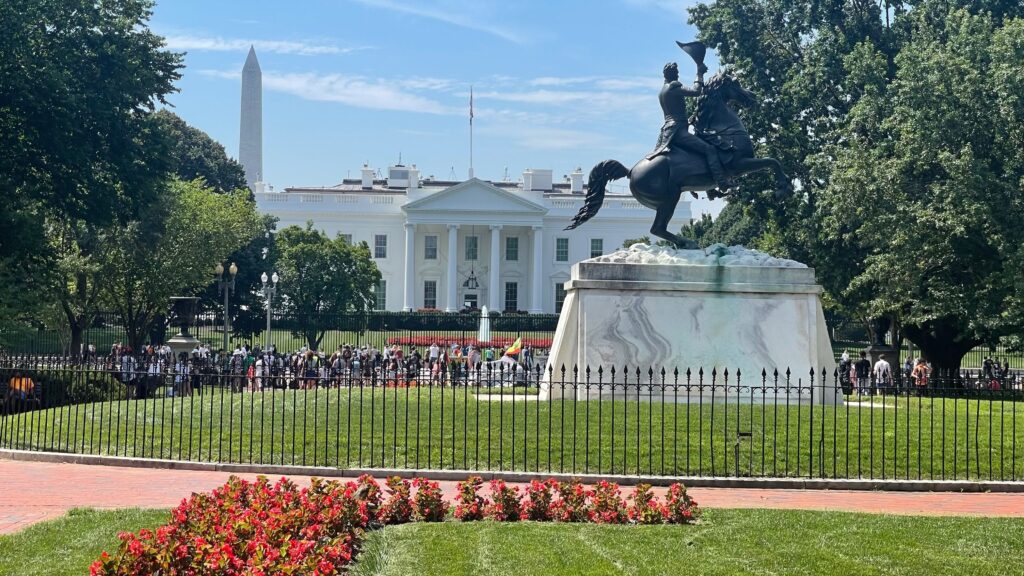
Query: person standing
x=844, y=374
x=920, y=376
x=883, y=374
x=863, y=371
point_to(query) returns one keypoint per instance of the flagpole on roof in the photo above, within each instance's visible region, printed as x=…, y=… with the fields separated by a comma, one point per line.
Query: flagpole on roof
x=471, y=131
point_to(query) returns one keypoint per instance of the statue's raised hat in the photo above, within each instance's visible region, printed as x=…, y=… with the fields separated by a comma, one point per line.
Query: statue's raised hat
x=697, y=50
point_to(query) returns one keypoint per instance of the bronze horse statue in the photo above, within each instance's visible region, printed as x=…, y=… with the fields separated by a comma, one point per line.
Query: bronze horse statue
x=658, y=182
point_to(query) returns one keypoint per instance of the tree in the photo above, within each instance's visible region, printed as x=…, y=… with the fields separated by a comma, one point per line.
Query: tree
x=321, y=277
x=195, y=155
x=79, y=80
x=926, y=186
x=172, y=251
x=77, y=150
x=823, y=71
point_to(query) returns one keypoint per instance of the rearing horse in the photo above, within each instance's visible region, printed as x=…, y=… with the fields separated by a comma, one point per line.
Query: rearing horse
x=658, y=183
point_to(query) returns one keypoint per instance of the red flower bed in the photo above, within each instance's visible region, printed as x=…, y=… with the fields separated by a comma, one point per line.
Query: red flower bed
x=256, y=528
x=252, y=528
x=496, y=342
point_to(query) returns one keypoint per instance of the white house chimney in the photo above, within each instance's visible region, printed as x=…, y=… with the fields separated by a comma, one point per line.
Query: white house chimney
x=414, y=178
x=367, y=177
x=259, y=187
x=527, y=180
x=542, y=180
x=576, y=181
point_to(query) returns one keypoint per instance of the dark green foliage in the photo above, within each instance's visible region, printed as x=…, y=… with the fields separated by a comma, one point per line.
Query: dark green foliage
x=196, y=155
x=79, y=80
x=902, y=123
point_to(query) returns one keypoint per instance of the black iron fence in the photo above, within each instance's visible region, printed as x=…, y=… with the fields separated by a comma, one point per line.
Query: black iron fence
x=506, y=416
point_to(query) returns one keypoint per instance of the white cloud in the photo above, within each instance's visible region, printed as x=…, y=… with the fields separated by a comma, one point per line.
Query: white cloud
x=356, y=91
x=579, y=103
x=624, y=84
x=220, y=44
x=461, y=13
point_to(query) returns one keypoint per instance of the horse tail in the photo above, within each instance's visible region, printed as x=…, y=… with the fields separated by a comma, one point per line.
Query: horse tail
x=603, y=173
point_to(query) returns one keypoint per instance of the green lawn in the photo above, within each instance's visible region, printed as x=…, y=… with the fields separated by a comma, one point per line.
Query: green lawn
x=445, y=428
x=726, y=542
x=766, y=542
x=68, y=545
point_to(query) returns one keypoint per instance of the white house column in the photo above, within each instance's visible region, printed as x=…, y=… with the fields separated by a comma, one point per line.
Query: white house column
x=410, y=265
x=495, y=291
x=536, y=293
x=453, y=258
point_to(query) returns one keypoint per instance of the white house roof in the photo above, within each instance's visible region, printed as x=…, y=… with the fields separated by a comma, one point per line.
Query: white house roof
x=474, y=200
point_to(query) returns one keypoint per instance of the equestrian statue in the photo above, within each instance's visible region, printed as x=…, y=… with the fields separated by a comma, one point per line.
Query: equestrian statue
x=706, y=160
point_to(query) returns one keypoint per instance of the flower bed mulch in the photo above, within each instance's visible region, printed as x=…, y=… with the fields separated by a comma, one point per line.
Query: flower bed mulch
x=259, y=528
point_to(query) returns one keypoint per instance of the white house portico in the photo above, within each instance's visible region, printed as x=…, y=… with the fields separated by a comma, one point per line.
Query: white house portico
x=449, y=245
x=460, y=210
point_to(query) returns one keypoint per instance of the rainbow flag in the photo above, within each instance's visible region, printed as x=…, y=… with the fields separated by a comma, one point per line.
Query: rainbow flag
x=515, y=348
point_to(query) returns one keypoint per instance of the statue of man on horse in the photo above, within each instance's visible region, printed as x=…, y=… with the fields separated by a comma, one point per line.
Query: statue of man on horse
x=719, y=148
x=675, y=132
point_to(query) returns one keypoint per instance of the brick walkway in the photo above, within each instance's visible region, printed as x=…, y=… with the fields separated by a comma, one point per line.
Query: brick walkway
x=35, y=491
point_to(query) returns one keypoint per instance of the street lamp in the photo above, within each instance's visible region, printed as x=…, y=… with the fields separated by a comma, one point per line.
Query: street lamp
x=269, y=290
x=226, y=284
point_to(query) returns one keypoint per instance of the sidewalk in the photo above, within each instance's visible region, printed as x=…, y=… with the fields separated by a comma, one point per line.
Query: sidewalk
x=36, y=491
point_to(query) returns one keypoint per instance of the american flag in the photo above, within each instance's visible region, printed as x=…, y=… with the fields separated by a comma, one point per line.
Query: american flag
x=470, y=105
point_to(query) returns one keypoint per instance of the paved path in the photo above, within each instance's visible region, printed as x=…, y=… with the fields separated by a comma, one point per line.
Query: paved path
x=36, y=491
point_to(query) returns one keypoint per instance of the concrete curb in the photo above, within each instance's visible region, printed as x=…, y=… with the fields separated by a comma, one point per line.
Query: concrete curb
x=456, y=475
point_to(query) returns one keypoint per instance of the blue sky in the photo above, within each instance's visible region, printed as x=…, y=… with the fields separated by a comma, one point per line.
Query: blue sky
x=557, y=84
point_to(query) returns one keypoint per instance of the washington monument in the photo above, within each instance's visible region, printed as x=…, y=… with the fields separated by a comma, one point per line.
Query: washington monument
x=250, y=141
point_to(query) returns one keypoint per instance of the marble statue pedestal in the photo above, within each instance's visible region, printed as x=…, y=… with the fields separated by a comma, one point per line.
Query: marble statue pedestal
x=722, y=309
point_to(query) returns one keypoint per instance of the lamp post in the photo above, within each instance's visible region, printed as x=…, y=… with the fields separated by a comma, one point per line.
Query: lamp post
x=226, y=284
x=269, y=290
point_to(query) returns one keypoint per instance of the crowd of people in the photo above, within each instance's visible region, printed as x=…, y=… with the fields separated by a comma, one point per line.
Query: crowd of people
x=862, y=378
x=156, y=370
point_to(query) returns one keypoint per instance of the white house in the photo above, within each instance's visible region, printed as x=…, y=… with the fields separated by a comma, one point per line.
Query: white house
x=448, y=245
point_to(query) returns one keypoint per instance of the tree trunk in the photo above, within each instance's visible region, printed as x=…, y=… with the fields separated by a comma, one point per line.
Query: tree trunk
x=77, y=331
x=942, y=344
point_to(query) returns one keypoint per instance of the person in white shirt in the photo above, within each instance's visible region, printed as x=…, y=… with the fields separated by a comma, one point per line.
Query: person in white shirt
x=883, y=374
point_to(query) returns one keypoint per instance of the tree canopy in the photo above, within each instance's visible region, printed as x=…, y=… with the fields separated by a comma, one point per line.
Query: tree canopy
x=195, y=155
x=80, y=79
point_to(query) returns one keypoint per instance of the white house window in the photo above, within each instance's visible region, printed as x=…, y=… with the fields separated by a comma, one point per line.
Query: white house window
x=380, y=296
x=561, y=249
x=430, y=247
x=347, y=239
x=559, y=296
x=472, y=245
x=430, y=293
x=511, y=296
x=596, y=247
x=380, y=246
x=511, y=249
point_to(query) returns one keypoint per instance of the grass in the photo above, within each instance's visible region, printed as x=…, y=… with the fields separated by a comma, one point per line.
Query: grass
x=68, y=545
x=727, y=542
x=516, y=391
x=448, y=428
